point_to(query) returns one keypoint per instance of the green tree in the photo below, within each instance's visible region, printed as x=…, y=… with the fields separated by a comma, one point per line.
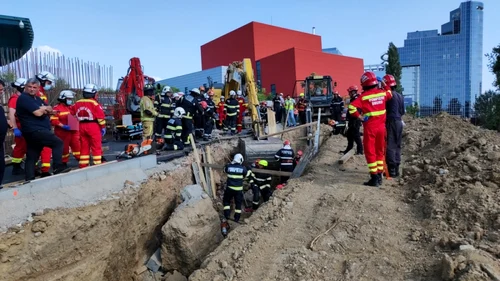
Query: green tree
x=174, y=89
x=413, y=110
x=394, y=66
x=494, y=65
x=454, y=107
x=8, y=76
x=487, y=108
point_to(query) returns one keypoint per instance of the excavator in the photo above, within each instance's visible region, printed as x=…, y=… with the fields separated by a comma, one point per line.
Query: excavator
x=240, y=76
x=130, y=91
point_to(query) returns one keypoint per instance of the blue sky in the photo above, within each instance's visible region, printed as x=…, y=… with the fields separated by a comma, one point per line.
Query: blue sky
x=167, y=35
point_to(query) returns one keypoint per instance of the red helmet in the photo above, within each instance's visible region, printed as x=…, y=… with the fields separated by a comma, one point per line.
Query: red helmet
x=204, y=104
x=369, y=79
x=389, y=80
x=299, y=153
x=353, y=88
x=280, y=186
x=286, y=142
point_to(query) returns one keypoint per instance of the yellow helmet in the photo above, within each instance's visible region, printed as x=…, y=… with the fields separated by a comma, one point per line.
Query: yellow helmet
x=301, y=94
x=263, y=163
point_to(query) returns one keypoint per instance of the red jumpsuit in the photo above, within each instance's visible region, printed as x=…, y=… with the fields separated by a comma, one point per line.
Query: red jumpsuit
x=220, y=112
x=91, y=117
x=371, y=103
x=20, y=148
x=243, y=108
x=69, y=138
x=46, y=154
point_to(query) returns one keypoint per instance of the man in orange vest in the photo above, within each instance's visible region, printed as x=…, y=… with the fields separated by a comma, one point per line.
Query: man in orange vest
x=301, y=107
x=92, y=126
x=59, y=120
x=243, y=108
x=47, y=81
x=220, y=112
x=371, y=108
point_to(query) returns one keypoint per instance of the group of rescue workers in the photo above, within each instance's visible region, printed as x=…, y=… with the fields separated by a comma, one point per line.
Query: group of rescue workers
x=78, y=127
x=378, y=108
x=172, y=118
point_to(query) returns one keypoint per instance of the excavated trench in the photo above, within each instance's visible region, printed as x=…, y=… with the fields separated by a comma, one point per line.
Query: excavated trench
x=111, y=239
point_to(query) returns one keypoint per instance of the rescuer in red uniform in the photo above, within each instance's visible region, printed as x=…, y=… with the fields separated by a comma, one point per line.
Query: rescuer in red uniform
x=372, y=104
x=47, y=81
x=92, y=126
x=20, y=147
x=220, y=112
x=243, y=108
x=61, y=127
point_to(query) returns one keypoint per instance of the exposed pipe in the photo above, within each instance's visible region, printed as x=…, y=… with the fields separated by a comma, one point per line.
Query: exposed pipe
x=314, y=30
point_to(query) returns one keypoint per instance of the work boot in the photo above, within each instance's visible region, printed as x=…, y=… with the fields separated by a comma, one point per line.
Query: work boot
x=374, y=181
x=392, y=171
x=359, y=153
x=17, y=169
x=380, y=176
x=396, y=170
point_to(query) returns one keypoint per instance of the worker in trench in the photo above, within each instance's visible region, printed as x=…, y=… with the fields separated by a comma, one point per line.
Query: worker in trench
x=236, y=175
x=92, y=126
x=353, y=126
x=191, y=107
x=232, y=109
x=371, y=108
x=20, y=144
x=164, y=105
x=394, y=125
x=62, y=129
x=286, y=158
x=209, y=116
x=173, y=133
x=261, y=185
x=148, y=112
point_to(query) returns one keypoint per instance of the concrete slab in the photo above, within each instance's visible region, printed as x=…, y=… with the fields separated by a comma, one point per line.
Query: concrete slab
x=74, y=189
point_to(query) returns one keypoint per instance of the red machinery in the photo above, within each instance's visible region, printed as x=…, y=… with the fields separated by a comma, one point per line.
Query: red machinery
x=130, y=90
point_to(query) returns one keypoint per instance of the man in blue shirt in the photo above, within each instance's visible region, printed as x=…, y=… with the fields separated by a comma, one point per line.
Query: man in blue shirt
x=34, y=117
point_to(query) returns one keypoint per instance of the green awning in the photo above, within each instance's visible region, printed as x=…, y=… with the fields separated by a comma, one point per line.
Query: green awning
x=14, y=40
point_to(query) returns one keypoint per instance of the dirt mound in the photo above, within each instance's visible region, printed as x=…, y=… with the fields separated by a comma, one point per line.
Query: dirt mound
x=453, y=177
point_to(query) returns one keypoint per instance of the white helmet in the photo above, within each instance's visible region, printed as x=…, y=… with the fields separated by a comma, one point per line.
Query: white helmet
x=238, y=159
x=232, y=93
x=179, y=111
x=90, y=88
x=46, y=76
x=19, y=83
x=195, y=90
x=222, y=98
x=166, y=89
x=180, y=94
x=176, y=96
x=239, y=93
x=66, y=94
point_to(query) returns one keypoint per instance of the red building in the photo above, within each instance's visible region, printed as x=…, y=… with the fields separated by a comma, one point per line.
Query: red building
x=281, y=57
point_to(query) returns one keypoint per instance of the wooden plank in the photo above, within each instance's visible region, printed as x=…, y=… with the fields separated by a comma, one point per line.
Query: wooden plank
x=304, y=161
x=198, y=162
x=270, y=172
x=346, y=156
x=316, y=138
x=196, y=172
x=211, y=171
x=271, y=121
x=288, y=130
x=207, y=173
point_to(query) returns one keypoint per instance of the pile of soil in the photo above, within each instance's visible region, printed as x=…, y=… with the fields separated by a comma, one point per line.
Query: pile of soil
x=452, y=176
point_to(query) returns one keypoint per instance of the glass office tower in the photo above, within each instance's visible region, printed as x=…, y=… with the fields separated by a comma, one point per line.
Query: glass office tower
x=443, y=71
